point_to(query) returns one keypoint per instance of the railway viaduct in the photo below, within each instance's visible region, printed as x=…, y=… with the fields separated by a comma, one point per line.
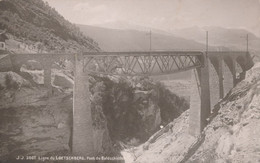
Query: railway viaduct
x=144, y=63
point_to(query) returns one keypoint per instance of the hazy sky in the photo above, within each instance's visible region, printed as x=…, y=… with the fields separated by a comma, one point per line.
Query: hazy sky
x=163, y=14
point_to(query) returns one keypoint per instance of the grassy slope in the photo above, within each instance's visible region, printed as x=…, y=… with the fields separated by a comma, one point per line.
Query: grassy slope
x=36, y=21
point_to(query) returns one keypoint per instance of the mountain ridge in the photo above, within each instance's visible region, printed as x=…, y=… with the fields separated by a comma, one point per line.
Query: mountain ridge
x=220, y=38
x=234, y=38
x=132, y=39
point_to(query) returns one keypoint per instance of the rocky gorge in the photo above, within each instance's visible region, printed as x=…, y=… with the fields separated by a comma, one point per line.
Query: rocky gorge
x=126, y=112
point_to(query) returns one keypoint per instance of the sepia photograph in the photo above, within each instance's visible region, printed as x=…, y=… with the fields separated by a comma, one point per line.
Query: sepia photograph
x=129, y=81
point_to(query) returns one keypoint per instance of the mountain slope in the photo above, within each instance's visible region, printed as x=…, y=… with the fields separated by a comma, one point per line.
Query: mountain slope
x=35, y=21
x=134, y=40
x=124, y=25
x=231, y=136
x=222, y=37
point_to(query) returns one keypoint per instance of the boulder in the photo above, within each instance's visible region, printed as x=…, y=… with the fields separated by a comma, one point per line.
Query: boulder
x=63, y=81
x=11, y=80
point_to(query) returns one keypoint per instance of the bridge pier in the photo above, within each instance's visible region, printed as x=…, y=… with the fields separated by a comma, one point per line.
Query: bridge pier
x=82, y=136
x=217, y=63
x=220, y=77
x=233, y=71
x=200, y=99
x=231, y=63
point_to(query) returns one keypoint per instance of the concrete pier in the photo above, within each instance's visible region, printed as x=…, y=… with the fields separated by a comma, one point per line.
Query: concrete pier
x=82, y=138
x=200, y=99
x=220, y=77
x=231, y=63
x=217, y=63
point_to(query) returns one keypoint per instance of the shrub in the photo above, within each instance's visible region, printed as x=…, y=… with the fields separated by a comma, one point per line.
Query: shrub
x=114, y=105
x=170, y=104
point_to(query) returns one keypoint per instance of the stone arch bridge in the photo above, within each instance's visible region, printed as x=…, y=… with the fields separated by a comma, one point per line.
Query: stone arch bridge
x=145, y=63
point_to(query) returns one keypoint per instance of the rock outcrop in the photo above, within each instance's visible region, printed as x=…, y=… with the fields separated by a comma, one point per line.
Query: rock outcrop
x=125, y=113
x=32, y=123
x=37, y=27
x=130, y=111
x=231, y=136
